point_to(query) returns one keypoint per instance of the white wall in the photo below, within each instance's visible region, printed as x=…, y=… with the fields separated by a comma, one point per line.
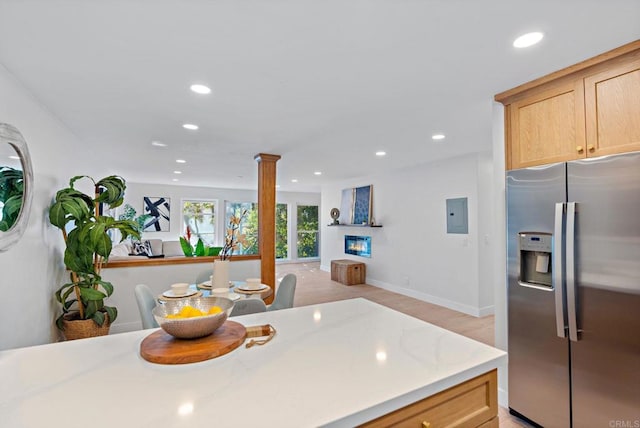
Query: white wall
x=32, y=270
x=412, y=254
x=500, y=245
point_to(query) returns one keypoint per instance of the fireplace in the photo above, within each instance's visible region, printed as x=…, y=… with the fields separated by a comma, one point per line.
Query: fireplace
x=357, y=245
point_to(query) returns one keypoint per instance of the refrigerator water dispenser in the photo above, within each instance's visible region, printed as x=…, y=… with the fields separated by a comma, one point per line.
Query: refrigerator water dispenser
x=535, y=259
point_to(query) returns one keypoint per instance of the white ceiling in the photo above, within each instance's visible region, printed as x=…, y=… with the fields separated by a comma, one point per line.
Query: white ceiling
x=323, y=83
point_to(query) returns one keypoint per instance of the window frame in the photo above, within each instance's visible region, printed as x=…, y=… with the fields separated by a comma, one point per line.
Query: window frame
x=216, y=222
x=297, y=231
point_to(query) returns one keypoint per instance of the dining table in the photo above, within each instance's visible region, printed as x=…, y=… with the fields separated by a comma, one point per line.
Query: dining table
x=237, y=290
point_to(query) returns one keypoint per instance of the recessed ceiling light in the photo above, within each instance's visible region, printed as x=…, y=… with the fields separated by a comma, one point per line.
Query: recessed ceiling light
x=201, y=89
x=437, y=137
x=317, y=173
x=177, y=172
x=528, y=39
x=175, y=179
x=381, y=153
x=190, y=126
x=14, y=157
x=181, y=161
x=158, y=144
x=295, y=180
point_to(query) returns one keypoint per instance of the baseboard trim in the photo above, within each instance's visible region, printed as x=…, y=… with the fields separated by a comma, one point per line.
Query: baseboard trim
x=425, y=297
x=503, y=398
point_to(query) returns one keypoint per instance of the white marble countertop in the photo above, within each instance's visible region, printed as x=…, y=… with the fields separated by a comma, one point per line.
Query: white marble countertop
x=334, y=364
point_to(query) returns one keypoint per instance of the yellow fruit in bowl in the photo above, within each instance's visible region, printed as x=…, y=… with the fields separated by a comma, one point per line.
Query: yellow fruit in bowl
x=214, y=310
x=191, y=312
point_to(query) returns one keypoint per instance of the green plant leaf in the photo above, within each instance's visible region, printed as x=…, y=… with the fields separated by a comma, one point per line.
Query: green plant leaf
x=89, y=294
x=107, y=286
x=186, y=247
x=98, y=318
x=68, y=304
x=79, y=177
x=66, y=294
x=59, y=322
x=200, y=248
x=112, y=312
x=213, y=251
x=111, y=191
x=100, y=241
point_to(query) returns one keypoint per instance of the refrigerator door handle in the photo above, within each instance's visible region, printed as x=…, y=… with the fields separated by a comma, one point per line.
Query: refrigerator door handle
x=556, y=268
x=571, y=271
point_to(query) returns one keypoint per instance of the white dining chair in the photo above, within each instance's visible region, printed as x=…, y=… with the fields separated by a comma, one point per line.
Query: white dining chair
x=146, y=302
x=204, y=276
x=248, y=306
x=284, y=293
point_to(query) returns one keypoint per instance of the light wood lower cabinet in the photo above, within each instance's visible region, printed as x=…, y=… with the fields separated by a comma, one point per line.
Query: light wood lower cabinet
x=473, y=403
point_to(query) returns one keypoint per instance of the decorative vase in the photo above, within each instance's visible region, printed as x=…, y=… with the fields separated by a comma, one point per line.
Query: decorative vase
x=80, y=329
x=220, y=274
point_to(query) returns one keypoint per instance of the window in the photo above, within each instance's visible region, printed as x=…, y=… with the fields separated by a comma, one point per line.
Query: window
x=307, y=231
x=200, y=217
x=248, y=226
x=282, y=231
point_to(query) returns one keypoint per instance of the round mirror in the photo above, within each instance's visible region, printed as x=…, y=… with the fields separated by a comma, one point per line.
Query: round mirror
x=16, y=181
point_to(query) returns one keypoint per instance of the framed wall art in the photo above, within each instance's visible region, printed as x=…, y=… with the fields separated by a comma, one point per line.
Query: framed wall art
x=159, y=208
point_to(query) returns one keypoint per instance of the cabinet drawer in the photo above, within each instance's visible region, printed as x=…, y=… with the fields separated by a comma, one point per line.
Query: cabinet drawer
x=470, y=404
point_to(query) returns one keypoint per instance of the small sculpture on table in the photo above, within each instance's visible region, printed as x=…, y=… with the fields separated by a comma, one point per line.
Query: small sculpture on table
x=335, y=214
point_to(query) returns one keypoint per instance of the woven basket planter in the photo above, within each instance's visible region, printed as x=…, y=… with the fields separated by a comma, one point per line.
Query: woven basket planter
x=81, y=329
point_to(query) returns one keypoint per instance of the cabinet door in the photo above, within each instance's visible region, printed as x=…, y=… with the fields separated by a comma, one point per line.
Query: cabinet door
x=548, y=126
x=469, y=404
x=612, y=103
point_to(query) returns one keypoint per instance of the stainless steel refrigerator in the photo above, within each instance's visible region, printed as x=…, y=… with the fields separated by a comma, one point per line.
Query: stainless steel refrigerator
x=573, y=244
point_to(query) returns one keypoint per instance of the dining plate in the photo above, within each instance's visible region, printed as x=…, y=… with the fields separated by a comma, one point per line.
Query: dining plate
x=170, y=293
x=247, y=287
x=233, y=296
x=205, y=284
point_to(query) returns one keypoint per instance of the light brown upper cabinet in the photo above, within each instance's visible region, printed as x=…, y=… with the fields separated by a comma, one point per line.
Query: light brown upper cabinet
x=547, y=127
x=589, y=109
x=612, y=105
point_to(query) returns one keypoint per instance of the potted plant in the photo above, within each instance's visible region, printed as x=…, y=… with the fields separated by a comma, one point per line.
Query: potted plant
x=88, y=245
x=200, y=249
x=232, y=239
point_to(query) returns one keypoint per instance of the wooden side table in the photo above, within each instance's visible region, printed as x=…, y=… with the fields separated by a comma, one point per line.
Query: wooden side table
x=348, y=272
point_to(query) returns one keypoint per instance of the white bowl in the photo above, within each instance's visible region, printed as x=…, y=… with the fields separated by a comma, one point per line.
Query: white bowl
x=220, y=292
x=180, y=288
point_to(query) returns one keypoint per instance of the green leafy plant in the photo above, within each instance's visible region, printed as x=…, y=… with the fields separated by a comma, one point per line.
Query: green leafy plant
x=88, y=245
x=200, y=249
x=11, y=191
